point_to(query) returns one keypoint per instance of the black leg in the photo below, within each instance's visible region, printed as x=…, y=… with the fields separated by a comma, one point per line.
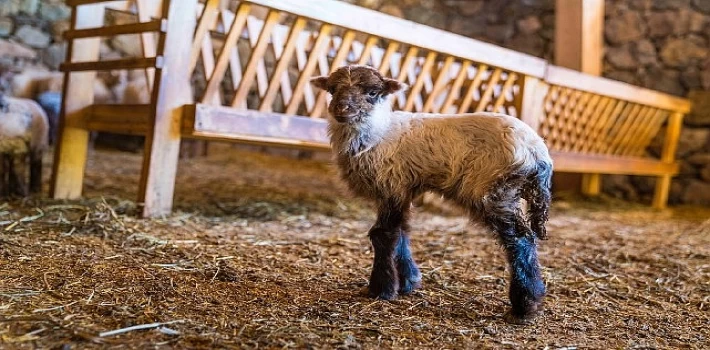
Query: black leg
x=526, y=286
x=409, y=276
x=503, y=216
x=35, y=172
x=17, y=185
x=4, y=186
x=385, y=235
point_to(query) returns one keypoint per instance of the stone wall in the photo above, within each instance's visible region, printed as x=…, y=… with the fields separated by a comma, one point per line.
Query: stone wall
x=659, y=44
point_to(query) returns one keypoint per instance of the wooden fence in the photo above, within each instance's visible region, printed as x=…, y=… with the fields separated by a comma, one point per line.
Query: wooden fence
x=249, y=69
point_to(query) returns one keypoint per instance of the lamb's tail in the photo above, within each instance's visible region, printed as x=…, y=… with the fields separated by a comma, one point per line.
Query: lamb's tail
x=536, y=192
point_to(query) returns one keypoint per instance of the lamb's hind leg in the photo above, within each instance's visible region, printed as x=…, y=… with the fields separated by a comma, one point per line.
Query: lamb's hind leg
x=385, y=235
x=526, y=285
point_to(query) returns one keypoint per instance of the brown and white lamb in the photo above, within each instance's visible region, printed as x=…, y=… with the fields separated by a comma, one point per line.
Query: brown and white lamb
x=485, y=162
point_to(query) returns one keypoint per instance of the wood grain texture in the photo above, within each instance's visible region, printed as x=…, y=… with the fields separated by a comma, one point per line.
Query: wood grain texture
x=73, y=138
x=407, y=32
x=611, y=88
x=162, y=144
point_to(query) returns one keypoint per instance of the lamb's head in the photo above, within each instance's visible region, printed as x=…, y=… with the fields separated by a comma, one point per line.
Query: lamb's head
x=358, y=91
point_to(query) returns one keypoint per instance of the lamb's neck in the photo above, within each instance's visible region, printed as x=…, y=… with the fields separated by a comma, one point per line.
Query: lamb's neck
x=357, y=138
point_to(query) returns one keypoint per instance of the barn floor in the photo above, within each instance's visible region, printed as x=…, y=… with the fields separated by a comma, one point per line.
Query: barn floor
x=270, y=252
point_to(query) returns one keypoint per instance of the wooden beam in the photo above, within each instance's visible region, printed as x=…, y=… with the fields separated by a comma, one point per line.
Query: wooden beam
x=124, y=63
x=73, y=140
x=670, y=144
x=371, y=22
x=611, y=88
x=170, y=93
x=131, y=28
x=531, y=107
x=579, y=29
x=237, y=124
x=579, y=45
x=587, y=163
x=119, y=118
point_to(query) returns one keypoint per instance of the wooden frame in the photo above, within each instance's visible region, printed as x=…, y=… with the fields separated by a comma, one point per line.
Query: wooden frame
x=591, y=124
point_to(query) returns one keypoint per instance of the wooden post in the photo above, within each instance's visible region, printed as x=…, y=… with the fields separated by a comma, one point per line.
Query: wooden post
x=531, y=107
x=670, y=143
x=579, y=45
x=579, y=35
x=73, y=138
x=171, y=91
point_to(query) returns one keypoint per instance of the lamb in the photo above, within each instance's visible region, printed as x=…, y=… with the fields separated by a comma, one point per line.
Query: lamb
x=484, y=162
x=24, y=130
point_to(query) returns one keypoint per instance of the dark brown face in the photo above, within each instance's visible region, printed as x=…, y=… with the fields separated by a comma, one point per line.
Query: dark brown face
x=356, y=90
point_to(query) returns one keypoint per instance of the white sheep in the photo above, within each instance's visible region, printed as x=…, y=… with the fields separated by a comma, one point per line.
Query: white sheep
x=484, y=162
x=24, y=132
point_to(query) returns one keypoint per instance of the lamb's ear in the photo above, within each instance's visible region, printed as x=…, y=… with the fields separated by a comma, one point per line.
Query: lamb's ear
x=392, y=86
x=320, y=82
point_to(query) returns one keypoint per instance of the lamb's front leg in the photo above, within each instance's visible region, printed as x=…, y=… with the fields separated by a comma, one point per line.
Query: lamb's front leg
x=385, y=236
x=409, y=276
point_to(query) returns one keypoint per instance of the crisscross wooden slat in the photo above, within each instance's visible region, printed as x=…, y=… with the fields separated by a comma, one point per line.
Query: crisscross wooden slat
x=318, y=47
x=207, y=19
x=255, y=25
x=367, y=50
x=613, y=127
x=637, y=136
x=256, y=58
x=439, y=85
x=622, y=126
x=282, y=66
x=467, y=98
x=419, y=83
x=658, y=120
x=455, y=89
x=488, y=93
x=508, y=86
x=387, y=58
x=586, y=124
x=230, y=42
x=633, y=135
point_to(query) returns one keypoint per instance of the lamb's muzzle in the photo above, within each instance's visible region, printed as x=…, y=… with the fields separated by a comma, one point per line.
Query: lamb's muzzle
x=484, y=162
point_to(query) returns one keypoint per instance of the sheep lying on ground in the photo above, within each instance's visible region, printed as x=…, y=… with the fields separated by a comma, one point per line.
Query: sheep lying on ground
x=24, y=131
x=484, y=162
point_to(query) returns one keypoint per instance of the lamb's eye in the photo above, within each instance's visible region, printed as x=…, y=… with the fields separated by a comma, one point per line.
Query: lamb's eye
x=372, y=93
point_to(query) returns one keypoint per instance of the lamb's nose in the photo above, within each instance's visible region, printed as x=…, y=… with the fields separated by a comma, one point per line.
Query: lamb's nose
x=343, y=107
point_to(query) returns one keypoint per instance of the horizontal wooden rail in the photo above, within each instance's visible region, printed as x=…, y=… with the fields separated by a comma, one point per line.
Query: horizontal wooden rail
x=74, y=3
x=131, y=28
x=129, y=119
x=126, y=63
x=225, y=123
x=587, y=163
x=606, y=87
x=397, y=29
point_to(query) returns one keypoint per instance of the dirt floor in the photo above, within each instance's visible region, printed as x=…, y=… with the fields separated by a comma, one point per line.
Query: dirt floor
x=271, y=252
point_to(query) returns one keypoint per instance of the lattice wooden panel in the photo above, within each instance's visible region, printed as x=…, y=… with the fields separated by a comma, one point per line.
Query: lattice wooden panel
x=263, y=60
x=582, y=122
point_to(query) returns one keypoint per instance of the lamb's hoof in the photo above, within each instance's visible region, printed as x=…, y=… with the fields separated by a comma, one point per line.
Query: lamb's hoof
x=382, y=294
x=524, y=320
x=407, y=286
